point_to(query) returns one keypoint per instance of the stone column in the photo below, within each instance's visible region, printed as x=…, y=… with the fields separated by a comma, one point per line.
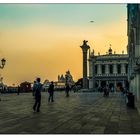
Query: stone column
x=85, y=48
x=99, y=69
x=106, y=69
x=122, y=68
x=90, y=83
x=93, y=77
x=115, y=69
x=90, y=74
x=90, y=68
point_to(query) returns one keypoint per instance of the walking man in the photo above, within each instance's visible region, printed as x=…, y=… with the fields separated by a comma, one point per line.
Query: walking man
x=51, y=92
x=37, y=91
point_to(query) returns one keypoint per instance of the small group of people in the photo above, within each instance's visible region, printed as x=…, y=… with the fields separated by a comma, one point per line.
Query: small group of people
x=37, y=88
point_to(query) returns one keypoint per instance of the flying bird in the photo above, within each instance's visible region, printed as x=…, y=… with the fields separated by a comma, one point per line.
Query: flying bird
x=91, y=21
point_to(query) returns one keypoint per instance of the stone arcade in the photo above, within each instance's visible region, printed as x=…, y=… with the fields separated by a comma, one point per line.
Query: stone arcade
x=109, y=69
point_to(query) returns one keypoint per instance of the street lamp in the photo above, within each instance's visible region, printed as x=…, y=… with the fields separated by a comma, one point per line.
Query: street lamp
x=2, y=63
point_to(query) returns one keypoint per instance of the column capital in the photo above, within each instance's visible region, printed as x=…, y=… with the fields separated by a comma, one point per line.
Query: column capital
x=85, y=47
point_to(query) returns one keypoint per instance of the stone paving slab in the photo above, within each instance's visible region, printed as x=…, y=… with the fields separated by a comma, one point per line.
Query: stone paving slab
x=81, y=113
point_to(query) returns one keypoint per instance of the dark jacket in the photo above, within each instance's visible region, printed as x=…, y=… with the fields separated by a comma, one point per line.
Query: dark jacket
x=37, y=89
x=51, y=88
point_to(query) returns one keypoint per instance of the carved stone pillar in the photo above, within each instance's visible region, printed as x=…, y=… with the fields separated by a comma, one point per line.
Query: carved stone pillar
x=90, y=74
x=115, y=69
x=122, y=68
x=90, y=68
x=99, y=69
x=106, y=69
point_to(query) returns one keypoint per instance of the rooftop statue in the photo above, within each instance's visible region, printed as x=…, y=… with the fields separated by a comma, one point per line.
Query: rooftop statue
x=85, y=42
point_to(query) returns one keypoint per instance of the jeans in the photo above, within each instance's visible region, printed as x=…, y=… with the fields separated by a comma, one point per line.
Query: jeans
x=50, y=97
x=37, y=102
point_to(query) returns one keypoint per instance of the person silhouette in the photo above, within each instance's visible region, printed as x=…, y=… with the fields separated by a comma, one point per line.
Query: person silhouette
x=67, y=90
x=37, y=91
x=51, y=92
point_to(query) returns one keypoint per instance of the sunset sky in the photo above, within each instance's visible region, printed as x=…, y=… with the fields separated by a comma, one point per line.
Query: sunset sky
x=43, y=40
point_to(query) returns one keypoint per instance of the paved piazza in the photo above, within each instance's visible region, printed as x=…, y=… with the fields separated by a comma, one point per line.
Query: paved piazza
x=81, y=113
